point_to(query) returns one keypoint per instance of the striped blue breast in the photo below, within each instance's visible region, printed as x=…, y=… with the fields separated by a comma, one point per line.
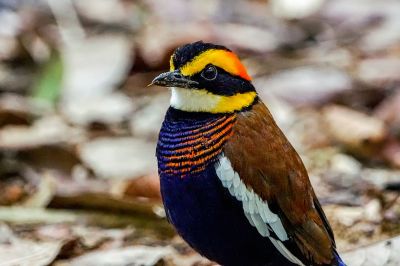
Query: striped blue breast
x=189, y=142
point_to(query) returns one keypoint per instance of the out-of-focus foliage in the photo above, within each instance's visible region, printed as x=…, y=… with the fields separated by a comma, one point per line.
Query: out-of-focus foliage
x=49, y=84
x=78, y=177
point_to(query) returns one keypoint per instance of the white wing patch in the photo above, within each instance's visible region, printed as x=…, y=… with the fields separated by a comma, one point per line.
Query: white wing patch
x=255, y=209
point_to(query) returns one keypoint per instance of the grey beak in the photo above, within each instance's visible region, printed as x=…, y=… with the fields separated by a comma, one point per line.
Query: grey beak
x=173, y=79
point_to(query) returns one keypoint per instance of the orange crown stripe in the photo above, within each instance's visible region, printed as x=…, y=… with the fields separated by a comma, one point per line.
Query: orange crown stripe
x=241, y=70
x=221, y=58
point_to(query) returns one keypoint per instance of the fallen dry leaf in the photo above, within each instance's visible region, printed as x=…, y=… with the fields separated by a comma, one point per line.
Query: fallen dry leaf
x=384, y=253
x=391, y=152
x=379, y=71
x=119, y=157
x=23, y=252
x=111, y=108
x=146, y=122
x=147, y=186
x=295, y=10
x=305, y=85
x=14, y=110
x=134, y=256
x=94, y=66
x=46, y=131
x=389, y=111
x=355, y=130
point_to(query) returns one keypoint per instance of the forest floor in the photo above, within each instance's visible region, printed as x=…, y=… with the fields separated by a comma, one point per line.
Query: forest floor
x=78, y=124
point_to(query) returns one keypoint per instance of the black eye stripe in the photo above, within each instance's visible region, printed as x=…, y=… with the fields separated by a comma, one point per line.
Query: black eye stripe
x=209, y=73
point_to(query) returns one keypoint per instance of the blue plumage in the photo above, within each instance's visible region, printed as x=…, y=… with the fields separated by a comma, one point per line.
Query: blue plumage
x=213, y=222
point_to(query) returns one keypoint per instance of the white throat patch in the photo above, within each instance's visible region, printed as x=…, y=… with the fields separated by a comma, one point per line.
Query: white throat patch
x=192, y=100
x=255, y=209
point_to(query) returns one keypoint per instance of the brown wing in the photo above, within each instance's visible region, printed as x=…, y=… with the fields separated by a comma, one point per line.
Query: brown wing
x=267, y=162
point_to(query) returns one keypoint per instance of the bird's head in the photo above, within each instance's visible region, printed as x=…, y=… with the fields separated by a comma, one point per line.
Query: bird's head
x=205, y=77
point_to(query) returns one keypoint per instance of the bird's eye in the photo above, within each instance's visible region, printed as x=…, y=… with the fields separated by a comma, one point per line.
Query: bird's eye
x=209, y=73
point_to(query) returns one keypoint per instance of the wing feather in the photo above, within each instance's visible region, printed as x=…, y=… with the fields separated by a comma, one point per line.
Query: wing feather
x=268, y=166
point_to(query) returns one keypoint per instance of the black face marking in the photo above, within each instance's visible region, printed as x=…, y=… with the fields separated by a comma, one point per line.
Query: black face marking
x=209, y=73
x=223, y=84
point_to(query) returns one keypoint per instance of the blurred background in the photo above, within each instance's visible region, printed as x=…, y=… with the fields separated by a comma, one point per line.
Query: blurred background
x=78, y=124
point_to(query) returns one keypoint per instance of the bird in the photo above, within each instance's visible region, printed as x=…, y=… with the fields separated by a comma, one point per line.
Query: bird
x=232, y=185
